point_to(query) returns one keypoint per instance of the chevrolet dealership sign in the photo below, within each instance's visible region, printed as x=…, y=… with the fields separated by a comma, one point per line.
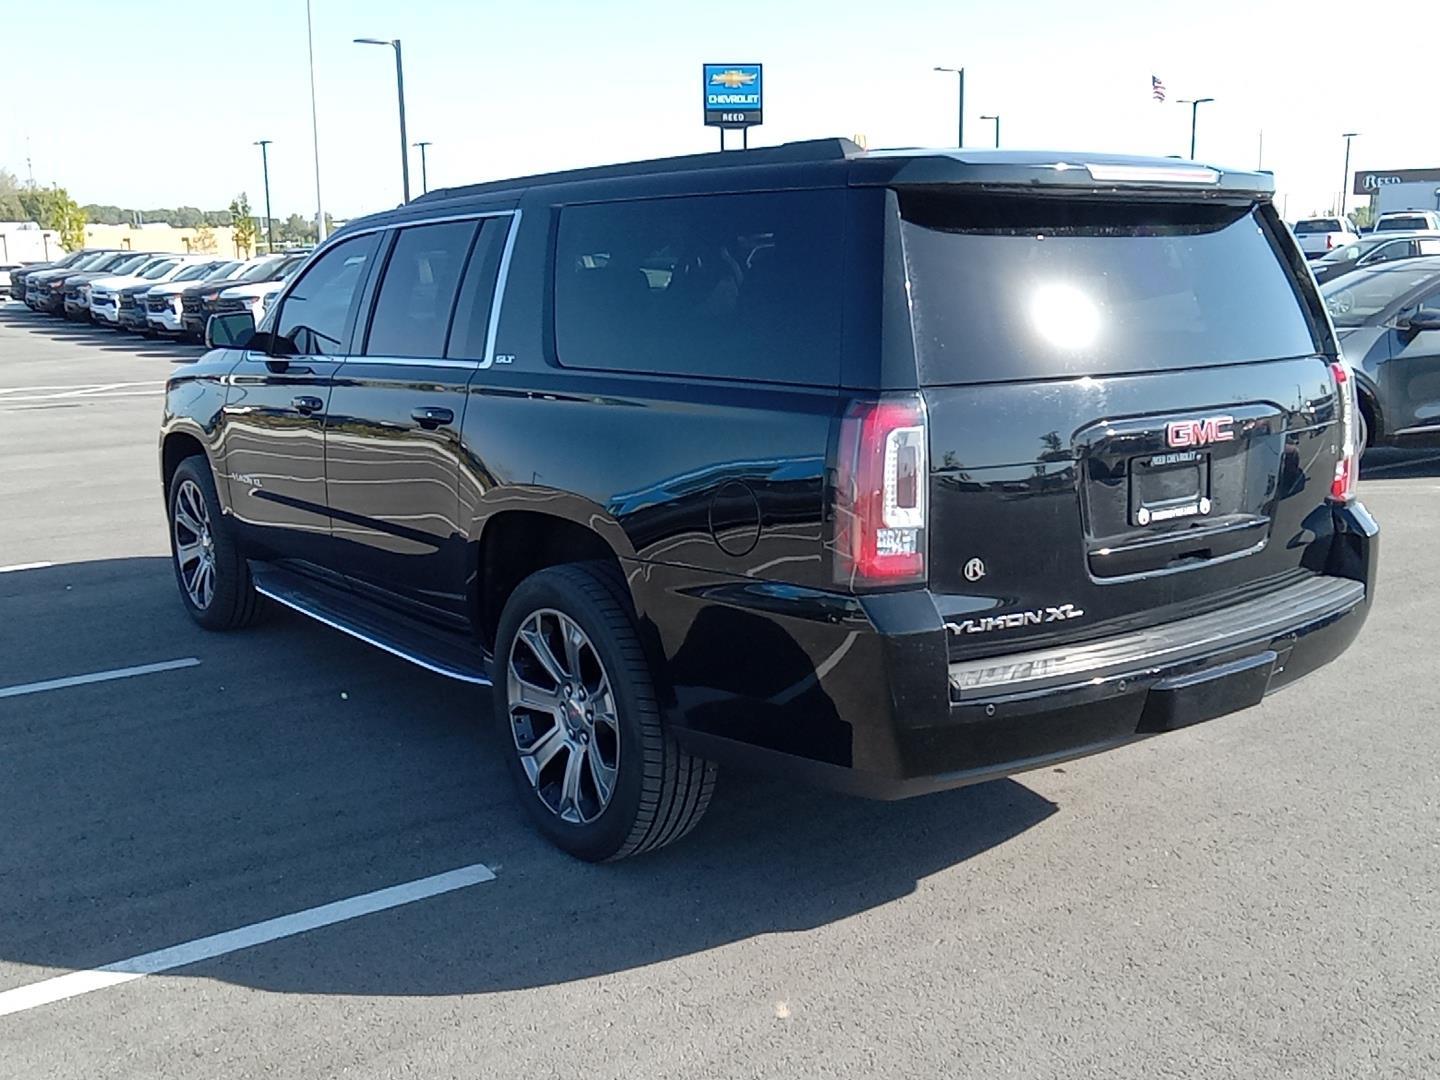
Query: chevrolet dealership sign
x=734, y=95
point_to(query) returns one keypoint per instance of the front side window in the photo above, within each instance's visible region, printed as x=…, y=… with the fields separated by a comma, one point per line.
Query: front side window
x=417, y=294
x=314, y=316
x=726, y=286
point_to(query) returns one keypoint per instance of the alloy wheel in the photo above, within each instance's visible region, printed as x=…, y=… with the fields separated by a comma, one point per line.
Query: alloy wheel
x=194, y=544
x=563, y=716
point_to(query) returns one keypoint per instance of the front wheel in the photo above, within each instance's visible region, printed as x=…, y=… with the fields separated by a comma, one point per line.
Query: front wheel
x=592, y=763
x=213, y=576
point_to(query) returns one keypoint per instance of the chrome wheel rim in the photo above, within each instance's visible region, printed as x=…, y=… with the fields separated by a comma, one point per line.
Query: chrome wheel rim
x=194, y=544
x=563, y=716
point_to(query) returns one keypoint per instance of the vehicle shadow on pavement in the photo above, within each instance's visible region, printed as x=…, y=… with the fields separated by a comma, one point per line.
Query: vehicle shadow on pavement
x=1396, y=463
x=85, y=334
x=294, y=766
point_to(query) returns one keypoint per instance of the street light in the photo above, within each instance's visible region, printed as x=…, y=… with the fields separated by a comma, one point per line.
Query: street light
x=314, y=127
x=960, y=126
x=424, y=176
x=264, y=145
x=1194, y=104
x=400, y=92
x=996, y=118
x=1345, y=180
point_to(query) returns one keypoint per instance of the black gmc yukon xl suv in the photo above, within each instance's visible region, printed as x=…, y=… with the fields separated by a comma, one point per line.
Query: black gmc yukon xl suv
x=894, y=470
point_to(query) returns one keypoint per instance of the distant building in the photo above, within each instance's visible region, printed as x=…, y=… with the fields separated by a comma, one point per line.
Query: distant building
x=162, y=237
x=25, y=241
x=1399, y=189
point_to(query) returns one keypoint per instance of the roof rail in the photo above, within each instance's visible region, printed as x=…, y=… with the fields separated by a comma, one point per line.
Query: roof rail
x=784, y=154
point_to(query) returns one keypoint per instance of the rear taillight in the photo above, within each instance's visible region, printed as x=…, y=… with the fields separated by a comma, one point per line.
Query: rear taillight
x=1329, y=242
x=880, y=483
x=1342, y=487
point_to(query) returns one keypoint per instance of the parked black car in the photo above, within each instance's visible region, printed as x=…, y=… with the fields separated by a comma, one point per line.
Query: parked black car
x=198, y=303
x=45, y=289
x=18, y=276
x=893, y=471
x=1388, y=321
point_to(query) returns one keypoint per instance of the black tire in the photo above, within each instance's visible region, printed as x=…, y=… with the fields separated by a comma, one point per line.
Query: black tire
x=232, y=600
x=660, y=791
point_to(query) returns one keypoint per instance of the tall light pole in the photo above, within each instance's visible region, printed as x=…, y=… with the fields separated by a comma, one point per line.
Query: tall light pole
x=424, y=175
x=1194, y=104
x=1345, y=181
x=996, y=118
x=400, y=92
x=960, y=125
x=264, y=145
x=314, y=129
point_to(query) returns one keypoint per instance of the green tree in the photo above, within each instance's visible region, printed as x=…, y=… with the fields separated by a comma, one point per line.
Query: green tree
x=244, y=224
x=106, y=215
x=10, y=208
x=53, y=208
x=1363, y=216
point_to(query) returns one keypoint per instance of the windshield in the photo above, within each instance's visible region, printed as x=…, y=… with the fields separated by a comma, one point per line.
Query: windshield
x=1011, y=287
x=125, y=265
x=1350, y=252
x=261, y=271
x=91, y=262
x=223, y=270
x=159, y=270
x=290, y=269
x=1359, y=296
x=194, y=273
x=1317, y=225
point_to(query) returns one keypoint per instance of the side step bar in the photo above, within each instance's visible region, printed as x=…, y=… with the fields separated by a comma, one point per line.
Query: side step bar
x=395, y=633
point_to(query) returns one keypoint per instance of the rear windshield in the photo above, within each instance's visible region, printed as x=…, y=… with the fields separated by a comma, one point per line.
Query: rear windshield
x=1406, y=223
x=1317, y=225
x=1011, y=287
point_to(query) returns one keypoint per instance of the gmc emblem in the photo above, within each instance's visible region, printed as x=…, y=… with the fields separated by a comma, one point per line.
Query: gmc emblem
x=1212, y=429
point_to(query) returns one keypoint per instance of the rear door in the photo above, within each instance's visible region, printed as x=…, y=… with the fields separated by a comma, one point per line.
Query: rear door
x=274, y=411
x=1128, y=414
x=392, y=432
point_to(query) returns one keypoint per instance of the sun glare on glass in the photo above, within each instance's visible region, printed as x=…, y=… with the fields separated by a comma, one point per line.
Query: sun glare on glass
x=1065, y=316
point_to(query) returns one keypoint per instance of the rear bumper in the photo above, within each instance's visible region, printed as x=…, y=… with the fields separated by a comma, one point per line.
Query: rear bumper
x=873, y=705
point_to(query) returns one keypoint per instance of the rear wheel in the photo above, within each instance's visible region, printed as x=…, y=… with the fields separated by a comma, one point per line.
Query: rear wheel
x=574, y=700
x=213, y=576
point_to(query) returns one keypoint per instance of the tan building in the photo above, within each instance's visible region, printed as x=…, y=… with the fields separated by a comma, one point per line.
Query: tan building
x=162, y=237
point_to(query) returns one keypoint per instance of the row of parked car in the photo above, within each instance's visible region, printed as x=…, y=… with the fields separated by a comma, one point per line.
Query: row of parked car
x=153, y=292
x=1325, y=234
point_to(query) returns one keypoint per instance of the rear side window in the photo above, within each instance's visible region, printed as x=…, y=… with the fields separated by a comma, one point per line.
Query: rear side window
x=1010, y=287
x=417, y=294
x=725, y=286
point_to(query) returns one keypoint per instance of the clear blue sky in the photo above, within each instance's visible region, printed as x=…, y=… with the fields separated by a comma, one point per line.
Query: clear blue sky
x=160, y=100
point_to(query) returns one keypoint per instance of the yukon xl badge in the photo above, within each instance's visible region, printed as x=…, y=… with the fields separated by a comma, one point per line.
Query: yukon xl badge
x=1213, y=429
x=1015, y=620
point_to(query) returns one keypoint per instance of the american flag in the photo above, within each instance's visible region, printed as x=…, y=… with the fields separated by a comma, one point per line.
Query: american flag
x=1157, y=88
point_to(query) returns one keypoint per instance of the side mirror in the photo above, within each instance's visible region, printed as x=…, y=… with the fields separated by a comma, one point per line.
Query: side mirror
x=1422, y=320
x=232, y=330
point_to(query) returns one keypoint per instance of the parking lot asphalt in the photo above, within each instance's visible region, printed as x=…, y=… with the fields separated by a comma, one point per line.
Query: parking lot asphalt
x=1254, y=897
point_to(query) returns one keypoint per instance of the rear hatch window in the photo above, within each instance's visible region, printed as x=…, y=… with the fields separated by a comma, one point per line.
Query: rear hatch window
x=1317, y=225
x=1410, y=223
x=1012, y=287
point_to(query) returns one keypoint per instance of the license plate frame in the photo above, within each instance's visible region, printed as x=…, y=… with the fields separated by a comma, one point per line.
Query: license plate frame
x=1169, y=487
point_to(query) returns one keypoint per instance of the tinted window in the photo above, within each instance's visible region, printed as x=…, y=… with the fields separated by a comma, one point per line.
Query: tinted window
x=1016, y=288
x=1396, y=249
x=1403, y=223
x=1317, y=225
x=159, y=270
x=471, y=329
x=313, y=319
x=1356, y=297
x=737, y=286
x=417, y=294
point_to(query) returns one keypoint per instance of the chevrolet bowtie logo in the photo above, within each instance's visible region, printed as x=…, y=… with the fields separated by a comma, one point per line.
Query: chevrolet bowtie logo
x=732, y=79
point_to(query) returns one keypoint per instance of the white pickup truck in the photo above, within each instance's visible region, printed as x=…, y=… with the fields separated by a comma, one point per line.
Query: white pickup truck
x=1318, y=235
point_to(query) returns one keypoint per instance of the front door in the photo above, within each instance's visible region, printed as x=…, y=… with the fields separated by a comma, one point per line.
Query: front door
x=393, y=426
x=274, y=415
x=1413, y=373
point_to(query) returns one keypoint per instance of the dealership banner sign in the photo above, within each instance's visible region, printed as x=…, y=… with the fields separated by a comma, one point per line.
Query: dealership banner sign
x=1369, y=181
x=734, y=95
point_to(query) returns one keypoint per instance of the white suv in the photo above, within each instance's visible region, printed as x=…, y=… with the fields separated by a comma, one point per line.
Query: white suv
x=105, y=292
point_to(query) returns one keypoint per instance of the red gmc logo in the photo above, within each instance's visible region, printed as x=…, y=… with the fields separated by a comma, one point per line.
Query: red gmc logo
x=1212, y=429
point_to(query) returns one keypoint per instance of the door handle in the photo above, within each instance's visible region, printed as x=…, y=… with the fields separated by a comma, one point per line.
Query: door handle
x=307, y=404
x=430, y=417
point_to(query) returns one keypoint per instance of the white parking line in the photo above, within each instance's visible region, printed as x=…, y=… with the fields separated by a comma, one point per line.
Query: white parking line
x=94, y=677
x=25, y=566
x=152, y=963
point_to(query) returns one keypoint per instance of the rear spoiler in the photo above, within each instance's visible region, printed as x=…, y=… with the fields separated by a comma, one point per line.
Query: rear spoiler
x=1082, y=172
